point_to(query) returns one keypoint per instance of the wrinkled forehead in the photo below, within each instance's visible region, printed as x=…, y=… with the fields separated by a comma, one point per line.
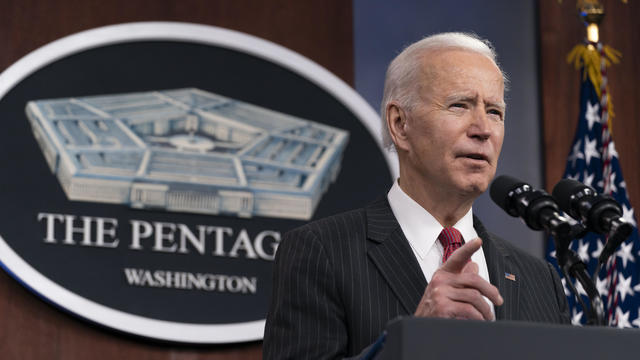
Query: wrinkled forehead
x=462, y=71
x=444, y=60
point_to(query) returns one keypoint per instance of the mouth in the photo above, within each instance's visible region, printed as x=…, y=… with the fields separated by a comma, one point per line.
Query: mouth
x=475, y=156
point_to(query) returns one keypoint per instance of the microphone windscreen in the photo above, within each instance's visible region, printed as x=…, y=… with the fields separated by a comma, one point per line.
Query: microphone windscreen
x=563, y=190
x=499, y=191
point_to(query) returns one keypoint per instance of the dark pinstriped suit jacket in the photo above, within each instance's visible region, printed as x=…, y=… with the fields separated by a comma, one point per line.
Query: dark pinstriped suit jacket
x=338, y=281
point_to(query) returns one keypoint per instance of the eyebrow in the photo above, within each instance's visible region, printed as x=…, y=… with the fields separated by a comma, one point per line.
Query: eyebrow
x=500, y=105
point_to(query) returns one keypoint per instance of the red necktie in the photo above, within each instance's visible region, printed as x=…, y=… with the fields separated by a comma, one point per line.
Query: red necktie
x=451, y=240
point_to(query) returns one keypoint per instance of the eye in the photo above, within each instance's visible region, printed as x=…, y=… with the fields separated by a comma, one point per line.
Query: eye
x=495, y=112
x=459, y=105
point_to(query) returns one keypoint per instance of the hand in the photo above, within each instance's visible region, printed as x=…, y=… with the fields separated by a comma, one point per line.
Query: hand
x=456, y=290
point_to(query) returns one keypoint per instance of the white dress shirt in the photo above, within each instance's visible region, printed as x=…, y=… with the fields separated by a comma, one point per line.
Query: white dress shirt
x=422, y=230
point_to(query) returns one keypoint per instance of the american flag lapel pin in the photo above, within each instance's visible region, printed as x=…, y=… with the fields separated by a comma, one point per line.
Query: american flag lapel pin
x=509, y=276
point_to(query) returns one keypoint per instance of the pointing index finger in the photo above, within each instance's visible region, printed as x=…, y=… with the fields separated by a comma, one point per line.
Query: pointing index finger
x=460, y=257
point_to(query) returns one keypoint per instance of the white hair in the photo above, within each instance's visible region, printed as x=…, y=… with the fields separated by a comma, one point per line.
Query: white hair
x=400, y=83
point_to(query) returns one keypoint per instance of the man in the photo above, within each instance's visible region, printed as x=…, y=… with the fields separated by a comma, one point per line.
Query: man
x=338, y=281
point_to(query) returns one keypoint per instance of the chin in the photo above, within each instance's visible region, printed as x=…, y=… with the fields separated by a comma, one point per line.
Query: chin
x=473, y=181
x=475, y=187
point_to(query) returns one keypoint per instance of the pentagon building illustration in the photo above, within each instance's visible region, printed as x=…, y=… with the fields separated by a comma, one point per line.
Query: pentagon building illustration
x=187, y=150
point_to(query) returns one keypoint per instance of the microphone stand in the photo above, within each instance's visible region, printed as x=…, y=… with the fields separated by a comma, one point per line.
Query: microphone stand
x=573, y=266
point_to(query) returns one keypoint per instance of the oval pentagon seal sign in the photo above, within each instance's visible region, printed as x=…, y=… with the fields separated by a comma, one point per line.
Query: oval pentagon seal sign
x=151, y=169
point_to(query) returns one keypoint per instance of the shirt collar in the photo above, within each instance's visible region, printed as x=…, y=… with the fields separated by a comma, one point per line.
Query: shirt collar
x=418, y=225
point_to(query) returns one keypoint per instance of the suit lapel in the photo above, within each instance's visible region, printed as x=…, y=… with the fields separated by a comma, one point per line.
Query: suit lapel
x=391, y=253
x=504, y=273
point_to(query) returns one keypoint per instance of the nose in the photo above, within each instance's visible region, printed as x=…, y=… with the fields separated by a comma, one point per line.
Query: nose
x=480, y=126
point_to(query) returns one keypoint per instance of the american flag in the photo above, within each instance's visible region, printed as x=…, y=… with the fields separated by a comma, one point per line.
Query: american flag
x=619, y=281
x=509, y=276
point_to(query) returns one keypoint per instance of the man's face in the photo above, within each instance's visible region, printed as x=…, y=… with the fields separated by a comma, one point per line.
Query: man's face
x=454, y=134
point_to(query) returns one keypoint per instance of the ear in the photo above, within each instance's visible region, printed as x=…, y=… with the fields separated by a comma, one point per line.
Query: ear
x=397, y=125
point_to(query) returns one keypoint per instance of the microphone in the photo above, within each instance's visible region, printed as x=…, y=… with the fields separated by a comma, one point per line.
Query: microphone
x=599, y=213
x=539, y=211
x=536, y=207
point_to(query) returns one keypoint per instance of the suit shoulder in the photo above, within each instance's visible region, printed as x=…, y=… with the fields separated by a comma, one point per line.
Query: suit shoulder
x=341, y=224
x=332, y=233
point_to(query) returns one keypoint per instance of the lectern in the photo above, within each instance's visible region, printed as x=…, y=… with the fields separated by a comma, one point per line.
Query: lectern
x=418, y=338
